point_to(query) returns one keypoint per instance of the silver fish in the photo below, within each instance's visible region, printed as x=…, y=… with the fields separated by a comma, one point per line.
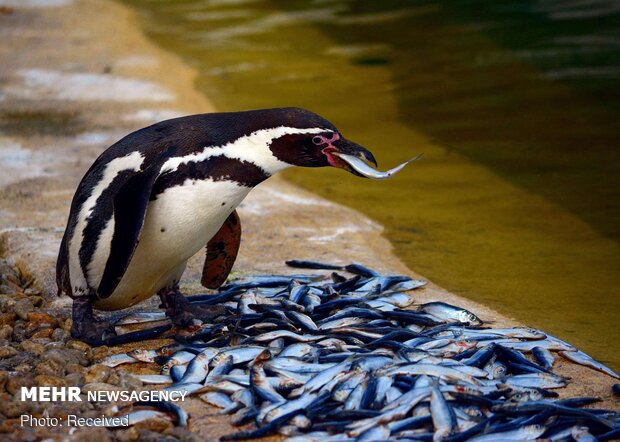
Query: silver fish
x=366, y=171
x=382, y=432
x=342, y=391
x=261, y=385
x=322, y=378
x=444, y=419
x=143, y=355
x=298, y=350
x=392, y=412
x=244, y=353
x=189, y=388
x=177, y=372
x=430, y=370
x=583, y=359
x=141, y=318
x=528, y=432
x=219, y=400
x=297, y=366
x=275, y=411
x=179, y=358
x=221, y=364
x=118, y=359
x=543, y=357
x=355, y=398
x=270, y=336
x=450, y=313
x=245, y=301
x=538, y=380
x=153, y=378
x=495, y=369
x=197, y=369
x=582, y=434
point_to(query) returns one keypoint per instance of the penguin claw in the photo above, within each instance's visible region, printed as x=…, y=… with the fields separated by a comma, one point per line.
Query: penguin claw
x=94, y=332
x=97, y=332
x=183, y=313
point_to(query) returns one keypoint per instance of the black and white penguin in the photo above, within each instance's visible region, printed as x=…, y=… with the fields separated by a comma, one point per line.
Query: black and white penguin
x=162, y=193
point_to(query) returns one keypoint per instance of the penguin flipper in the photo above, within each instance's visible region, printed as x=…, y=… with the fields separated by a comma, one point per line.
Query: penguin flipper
x=130, y=204
x=62, y=268
x=221, y=252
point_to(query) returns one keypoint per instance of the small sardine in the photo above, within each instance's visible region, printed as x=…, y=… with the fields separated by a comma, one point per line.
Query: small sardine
x=219, y=400
x=450, y=313
x=581, y=358
x=541, y=380
x=543, y=357
x=444, y=419
x=154, y=378
x=368, y=172
x=529, y=432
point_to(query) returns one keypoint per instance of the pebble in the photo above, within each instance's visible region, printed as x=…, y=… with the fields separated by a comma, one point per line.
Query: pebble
x=6, y=331
x=6, y=303
x=20, y=360
x=128, y=380
x=54, y=344
x=24, y=368
x=37, y=301
x=11, y=407
x=100, y=386
x=114, y=378
x=51, y=381
x=61, y=409
x=23, y=307
x=98, y=373
x=92, y=434
x=32, y=347
x=157, y=425
x=98, y=353
x=7, y=318
x=129, y=435
x=65, y=356
x=74, y=368
x=4, y=377
x=50, y=368
x=42, y=318
x=7, y=351
x=75, y=379
x=45, y=333
x=60, y=334
x=19, y=331
x=78, y=345
x=15, y=383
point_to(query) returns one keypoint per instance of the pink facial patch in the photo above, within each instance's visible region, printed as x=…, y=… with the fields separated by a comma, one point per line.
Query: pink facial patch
x=329, y=141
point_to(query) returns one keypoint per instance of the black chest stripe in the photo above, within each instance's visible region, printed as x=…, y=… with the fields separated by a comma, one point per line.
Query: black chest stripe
x=216, y=168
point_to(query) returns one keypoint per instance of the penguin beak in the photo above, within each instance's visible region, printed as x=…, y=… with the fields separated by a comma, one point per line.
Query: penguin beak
x=345, y=146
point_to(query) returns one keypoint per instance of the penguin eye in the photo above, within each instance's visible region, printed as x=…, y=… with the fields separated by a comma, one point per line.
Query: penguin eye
x=317, y=140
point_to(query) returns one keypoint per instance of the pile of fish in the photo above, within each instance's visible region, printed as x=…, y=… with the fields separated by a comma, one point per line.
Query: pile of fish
x=340, y=358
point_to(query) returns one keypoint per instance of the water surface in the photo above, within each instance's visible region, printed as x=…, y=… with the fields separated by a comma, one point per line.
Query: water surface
x=513, y=103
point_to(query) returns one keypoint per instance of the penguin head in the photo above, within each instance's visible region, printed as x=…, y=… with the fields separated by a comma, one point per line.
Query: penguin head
x=313, y=141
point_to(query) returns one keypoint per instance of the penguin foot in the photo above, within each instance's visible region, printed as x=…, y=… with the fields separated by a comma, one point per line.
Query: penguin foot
x=86, y=327
x=183, y=313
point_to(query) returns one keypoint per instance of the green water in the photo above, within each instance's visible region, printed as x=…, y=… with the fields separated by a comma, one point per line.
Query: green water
x=514, y=104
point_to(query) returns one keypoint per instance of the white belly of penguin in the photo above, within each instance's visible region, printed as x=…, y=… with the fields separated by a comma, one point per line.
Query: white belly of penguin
x=179, y=223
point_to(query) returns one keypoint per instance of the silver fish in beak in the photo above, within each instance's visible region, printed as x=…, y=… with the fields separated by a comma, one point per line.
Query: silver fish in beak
x=366, y=171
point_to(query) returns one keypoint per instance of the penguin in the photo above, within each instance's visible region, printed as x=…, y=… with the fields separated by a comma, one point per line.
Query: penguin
x=161, y=194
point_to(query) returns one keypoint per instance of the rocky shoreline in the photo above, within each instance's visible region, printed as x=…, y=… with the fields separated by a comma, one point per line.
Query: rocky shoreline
x=77, y=76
